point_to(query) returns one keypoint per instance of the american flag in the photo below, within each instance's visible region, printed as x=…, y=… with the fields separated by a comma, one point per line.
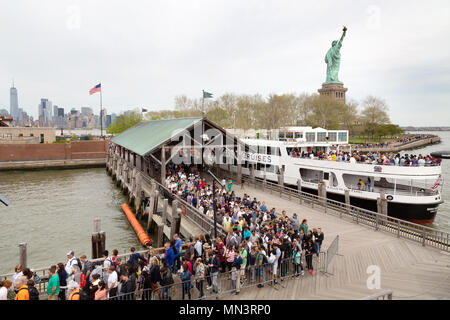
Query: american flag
x=437, y=184
x=95, y=89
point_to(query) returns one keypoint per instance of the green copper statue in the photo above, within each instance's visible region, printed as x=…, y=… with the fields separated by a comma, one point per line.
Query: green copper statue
x=333, y=60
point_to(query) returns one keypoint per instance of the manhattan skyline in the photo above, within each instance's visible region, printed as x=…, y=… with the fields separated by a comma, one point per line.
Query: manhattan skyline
x=156, y=51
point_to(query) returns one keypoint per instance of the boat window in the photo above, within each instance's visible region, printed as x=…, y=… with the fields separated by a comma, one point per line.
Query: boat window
x=326, y=176
x=289, y=135
x=310, y=175
x=321, y=136
x=269, y=150
x=333, y=179
x=332, y=136
x=298, y=135
x=252, y=149
x=294, y=152
x=258, y=166
x=281, y=135
x=262, y=149
x=310, y=137
x=269, y=168
x=342, y=136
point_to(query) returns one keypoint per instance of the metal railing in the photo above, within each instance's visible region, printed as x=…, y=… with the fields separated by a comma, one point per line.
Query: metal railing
x=43, y=272
x=252, y=277
x=403, y=229
x=193, y=214
x=382, y=295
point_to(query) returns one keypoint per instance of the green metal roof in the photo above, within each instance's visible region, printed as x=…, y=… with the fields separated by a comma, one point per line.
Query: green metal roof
x=146, y=136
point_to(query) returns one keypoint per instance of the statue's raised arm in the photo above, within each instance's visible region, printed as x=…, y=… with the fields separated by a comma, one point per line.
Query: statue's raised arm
x=343, y=35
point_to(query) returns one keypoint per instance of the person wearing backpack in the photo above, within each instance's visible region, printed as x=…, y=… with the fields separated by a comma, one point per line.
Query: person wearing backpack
x=88, y=266
x=74, y=290
x=72, y=261
x=166, y=282
x=34, y=293
x=134, y=259
x=22, y=289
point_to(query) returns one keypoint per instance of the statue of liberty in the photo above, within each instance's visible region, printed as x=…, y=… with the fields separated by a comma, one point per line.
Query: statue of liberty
x=333, y=60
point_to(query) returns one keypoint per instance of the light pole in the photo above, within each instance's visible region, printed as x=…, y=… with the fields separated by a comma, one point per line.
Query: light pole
x=214, y=201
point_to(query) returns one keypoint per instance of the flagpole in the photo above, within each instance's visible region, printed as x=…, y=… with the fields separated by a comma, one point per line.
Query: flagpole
x=101, y=114
x=203, y=103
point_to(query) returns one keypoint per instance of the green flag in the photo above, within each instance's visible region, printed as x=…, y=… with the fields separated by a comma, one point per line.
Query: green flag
x=207, y=95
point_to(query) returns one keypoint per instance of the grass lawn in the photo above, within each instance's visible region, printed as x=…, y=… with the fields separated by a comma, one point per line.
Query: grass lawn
x=362, y=140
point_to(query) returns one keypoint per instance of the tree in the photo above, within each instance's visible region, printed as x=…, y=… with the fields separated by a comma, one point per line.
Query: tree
x=325, y=112
x=374, y=113
x=277, y=112
x=124, y=121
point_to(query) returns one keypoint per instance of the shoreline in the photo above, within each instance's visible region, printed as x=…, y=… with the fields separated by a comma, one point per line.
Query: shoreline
x=52, y=164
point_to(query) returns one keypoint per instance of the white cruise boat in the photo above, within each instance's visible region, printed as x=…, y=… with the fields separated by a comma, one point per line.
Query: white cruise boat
x=413, y=192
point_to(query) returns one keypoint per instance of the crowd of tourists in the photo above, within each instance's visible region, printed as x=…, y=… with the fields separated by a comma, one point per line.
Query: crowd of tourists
x=399, y=141
x=376, y=158
x=260, y=246
x=255, y=234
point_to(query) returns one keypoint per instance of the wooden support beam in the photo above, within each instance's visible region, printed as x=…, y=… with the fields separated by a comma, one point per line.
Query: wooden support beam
x=176, y=216
x=23, y=254
x=163, y=165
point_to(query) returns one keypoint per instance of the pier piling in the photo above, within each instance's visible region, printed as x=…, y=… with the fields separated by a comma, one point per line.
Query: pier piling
x=23, y=254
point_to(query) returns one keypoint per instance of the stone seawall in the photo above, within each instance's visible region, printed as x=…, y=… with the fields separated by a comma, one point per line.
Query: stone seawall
x=406, y=146
x=54, y=151
x=60, y=155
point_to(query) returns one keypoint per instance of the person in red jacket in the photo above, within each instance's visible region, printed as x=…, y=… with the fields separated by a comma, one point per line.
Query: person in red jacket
x=221, y=254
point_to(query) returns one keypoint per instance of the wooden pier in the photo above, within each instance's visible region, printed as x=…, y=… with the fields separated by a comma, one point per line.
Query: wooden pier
x=409, y=269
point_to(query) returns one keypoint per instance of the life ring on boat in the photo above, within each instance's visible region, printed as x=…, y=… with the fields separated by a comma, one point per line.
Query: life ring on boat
x=390, y=198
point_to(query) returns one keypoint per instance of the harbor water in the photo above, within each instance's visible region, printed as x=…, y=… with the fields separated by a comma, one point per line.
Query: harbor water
x=53, y=212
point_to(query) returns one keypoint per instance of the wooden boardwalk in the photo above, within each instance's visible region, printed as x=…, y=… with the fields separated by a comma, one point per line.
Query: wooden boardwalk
x=406, y=267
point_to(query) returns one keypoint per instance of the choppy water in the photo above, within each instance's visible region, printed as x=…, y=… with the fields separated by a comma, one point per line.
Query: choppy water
x=443, y=216
x=53, y=212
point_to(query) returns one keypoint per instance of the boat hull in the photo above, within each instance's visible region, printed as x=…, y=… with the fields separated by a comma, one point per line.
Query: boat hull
x=416, y=213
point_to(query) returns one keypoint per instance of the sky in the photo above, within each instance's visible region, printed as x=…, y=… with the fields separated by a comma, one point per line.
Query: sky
x=147, y=52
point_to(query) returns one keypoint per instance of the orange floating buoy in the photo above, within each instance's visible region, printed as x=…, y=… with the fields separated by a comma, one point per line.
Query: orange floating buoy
x=142, y=235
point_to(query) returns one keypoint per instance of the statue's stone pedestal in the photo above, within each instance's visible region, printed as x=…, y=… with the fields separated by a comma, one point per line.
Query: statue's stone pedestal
x=334, y=90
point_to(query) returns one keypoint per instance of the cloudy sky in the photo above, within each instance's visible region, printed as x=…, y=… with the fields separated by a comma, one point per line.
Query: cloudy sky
x=146, y=52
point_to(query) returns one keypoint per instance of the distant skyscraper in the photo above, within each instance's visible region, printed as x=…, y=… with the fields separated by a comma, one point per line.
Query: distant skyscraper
x=13, y=103
x=45, y=111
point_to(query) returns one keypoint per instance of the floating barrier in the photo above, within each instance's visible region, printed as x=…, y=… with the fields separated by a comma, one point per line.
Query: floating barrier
x=441, y=154
x=142, y=235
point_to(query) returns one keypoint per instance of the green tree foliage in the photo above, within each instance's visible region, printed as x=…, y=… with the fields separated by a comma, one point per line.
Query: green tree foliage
x=374, y=113
x=256, y=112
x=124, y=121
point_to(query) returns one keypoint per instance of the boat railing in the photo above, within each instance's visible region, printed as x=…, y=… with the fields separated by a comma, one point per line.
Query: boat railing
x=370, y=163
x=401, y=228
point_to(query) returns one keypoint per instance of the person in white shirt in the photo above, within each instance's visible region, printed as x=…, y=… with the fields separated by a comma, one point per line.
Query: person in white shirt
x=3, y=292
x=210, y=212
x=71, y=262
x=112, y=282
x=198, y=246
x=18, y=273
